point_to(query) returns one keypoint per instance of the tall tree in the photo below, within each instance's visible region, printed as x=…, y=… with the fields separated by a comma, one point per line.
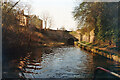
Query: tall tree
x=8, y=18
x=102, y=16
x=50, y=22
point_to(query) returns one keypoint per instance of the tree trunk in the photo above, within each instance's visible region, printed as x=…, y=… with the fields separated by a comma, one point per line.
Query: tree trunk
x=45, y=25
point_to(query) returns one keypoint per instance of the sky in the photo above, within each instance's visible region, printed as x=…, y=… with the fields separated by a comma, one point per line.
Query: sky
x=59, y=10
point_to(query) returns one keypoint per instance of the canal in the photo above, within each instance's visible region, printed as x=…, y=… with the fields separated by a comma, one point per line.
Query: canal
x=62, y=62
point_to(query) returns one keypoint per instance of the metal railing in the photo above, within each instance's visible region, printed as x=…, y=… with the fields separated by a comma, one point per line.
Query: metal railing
x=105, y=70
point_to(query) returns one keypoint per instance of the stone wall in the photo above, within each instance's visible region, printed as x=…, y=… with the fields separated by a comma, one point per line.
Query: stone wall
x=85, y=38
x=92, y=36
x=88, y=37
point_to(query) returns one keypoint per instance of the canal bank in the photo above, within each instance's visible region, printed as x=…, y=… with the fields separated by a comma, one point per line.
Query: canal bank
x=108, y=54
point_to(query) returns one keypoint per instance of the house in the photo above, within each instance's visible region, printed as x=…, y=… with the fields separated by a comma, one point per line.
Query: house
x=34, y=21
x=31, y=21
x=22, y=18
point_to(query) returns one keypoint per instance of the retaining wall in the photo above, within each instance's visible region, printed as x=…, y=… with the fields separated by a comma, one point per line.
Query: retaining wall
x=104, y=53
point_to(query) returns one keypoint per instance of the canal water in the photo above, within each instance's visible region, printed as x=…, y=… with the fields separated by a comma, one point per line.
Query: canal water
x=61, y=62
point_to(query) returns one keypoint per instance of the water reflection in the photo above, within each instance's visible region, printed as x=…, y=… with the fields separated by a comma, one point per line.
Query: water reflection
x=64, y=62
x=67, y=62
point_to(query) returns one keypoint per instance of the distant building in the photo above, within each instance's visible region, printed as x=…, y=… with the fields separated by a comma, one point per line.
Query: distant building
x=29, y=20
x=22, y=18
x=35, y=21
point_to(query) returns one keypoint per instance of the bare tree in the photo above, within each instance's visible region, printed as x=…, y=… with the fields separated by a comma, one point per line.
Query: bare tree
x=45, y=17
x=50, y=22
x=28, y=8
x=23, y=6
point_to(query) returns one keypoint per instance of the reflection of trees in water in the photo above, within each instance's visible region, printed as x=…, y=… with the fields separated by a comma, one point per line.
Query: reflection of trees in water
x=32, y=61
x=15, y=64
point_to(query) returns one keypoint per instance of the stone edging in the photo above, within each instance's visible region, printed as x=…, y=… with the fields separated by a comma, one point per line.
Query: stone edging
x=104, y=53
